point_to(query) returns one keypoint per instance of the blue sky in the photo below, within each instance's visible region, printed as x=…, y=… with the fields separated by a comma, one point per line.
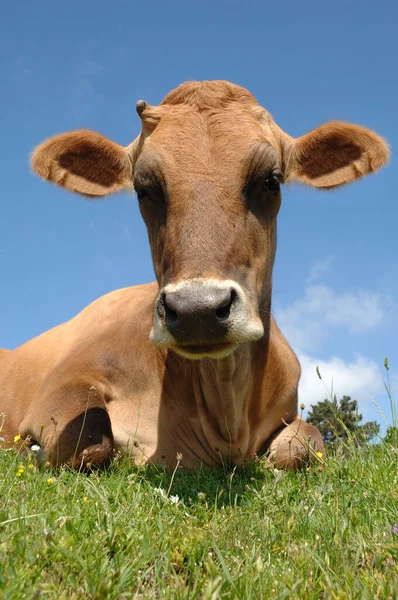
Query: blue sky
x=85, y=64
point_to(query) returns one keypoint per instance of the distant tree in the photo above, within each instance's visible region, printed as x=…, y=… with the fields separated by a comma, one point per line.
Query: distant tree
x=391, y=436
x=336, y=420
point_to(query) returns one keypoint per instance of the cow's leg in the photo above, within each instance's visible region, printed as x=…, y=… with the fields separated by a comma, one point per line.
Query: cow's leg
x=295, y=445
x=72, y=426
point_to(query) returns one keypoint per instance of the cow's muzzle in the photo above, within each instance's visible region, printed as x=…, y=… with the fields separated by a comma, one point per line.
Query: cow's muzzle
x=204, y=317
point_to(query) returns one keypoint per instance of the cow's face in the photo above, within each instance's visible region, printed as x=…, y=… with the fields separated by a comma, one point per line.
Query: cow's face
x=208, y=185
x=207, y=170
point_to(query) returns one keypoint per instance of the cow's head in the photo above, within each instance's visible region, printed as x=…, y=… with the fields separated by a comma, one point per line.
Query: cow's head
x=207, y=169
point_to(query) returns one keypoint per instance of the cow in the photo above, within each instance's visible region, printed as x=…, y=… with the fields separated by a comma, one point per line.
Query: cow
x=192, y=369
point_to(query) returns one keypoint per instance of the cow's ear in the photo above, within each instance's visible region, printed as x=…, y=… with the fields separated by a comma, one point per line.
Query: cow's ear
x=336, y=153
x=84, y=162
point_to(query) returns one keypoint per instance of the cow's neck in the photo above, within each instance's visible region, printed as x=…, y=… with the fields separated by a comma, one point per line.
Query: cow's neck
x=226, y=393
x=221, y=398
x=222, y=392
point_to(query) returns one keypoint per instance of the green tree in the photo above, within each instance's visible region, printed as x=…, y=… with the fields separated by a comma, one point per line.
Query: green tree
x=337, y=420
x=392, y=436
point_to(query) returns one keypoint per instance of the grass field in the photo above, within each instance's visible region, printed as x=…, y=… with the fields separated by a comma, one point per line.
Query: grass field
x=326, y=532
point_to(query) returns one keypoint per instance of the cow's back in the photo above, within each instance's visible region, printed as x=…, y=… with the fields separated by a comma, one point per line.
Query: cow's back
x=22, y=371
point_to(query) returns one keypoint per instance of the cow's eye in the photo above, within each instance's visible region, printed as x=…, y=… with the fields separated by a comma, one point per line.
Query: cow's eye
x=141, y=192
x=272, y=183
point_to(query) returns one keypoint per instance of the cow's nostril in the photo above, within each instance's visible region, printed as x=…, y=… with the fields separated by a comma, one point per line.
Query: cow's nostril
x=171, y=315
x=223, y=311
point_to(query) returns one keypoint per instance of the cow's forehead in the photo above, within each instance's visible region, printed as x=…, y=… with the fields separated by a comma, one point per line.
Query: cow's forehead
x=217, y=139
x=235, y=120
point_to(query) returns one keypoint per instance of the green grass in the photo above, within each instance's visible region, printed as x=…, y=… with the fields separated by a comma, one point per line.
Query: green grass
x=249, y=533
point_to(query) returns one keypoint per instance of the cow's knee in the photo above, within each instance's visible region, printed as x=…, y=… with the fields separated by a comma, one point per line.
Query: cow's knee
x=84, y=441
x=297, y=444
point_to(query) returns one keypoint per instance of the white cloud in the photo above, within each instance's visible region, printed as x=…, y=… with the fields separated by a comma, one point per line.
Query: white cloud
x=319, y=267
x=305, y=323
x=361, y=379
x=313, y=319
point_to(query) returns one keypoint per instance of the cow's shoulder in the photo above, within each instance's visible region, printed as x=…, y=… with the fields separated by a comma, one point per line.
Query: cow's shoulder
x=108, y=339
x=281, y=350
x=282, y=368
x=129, y=307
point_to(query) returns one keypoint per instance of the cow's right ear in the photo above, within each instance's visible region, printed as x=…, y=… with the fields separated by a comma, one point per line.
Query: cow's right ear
x=84, y=162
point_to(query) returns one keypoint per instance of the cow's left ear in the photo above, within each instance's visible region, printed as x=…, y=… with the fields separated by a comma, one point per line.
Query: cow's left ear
x=84, y=162
x=336, y=153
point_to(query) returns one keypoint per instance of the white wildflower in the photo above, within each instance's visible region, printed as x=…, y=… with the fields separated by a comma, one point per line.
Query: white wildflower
x=165, y=497
x=161, y=492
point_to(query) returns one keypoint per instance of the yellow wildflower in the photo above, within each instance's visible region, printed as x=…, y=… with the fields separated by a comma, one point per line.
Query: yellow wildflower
x=319, y=454
x=18, y=474
x=51, y=480
x=30, y=466
x=85, y=499
x=17, y=438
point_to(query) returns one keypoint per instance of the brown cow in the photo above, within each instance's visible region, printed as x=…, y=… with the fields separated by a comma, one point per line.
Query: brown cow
x=193, y=364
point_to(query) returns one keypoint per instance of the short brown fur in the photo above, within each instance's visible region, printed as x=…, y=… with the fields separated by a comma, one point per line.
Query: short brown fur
x=206, y=167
